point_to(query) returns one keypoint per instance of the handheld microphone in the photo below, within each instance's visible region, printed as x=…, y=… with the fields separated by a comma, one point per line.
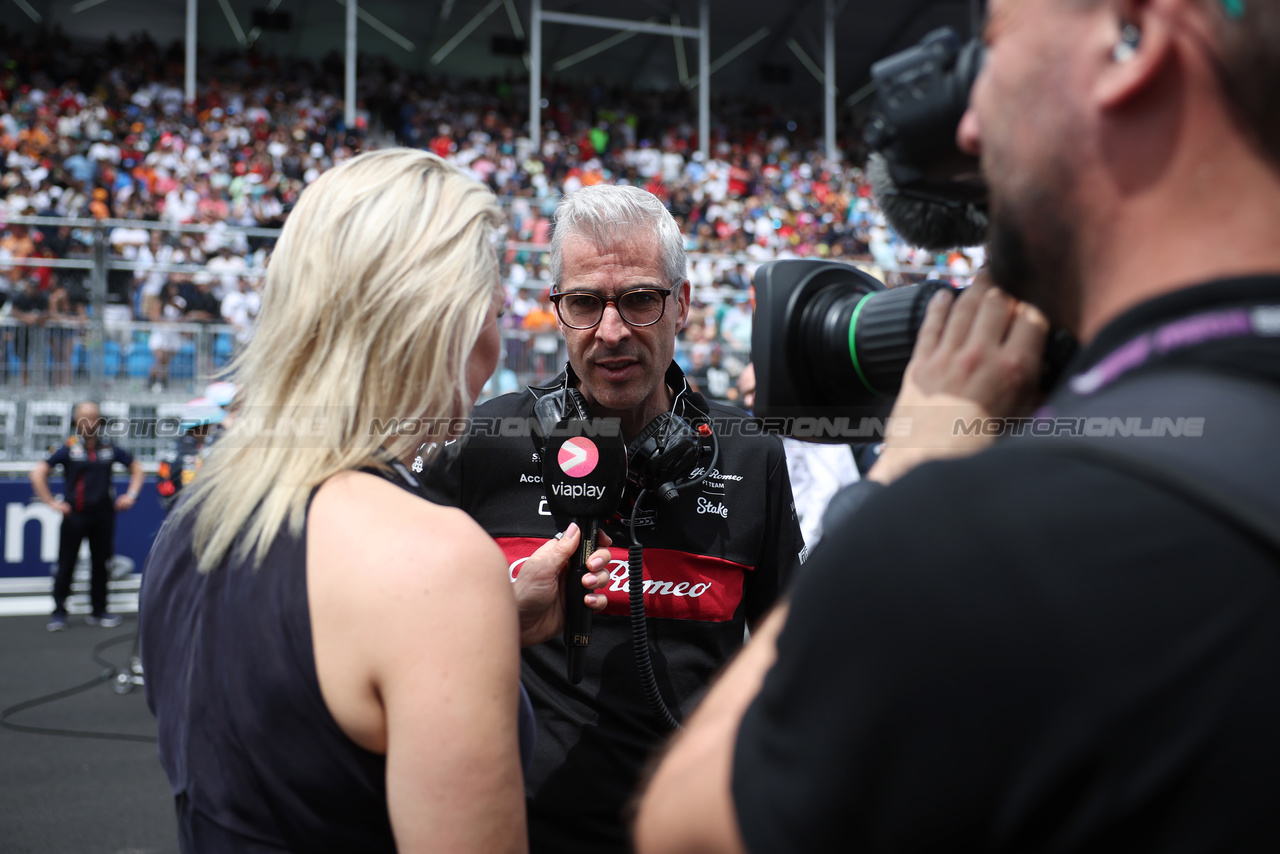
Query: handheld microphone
x=584, y=470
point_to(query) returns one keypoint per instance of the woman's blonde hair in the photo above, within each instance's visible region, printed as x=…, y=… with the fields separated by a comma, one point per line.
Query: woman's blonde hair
x=375, y=296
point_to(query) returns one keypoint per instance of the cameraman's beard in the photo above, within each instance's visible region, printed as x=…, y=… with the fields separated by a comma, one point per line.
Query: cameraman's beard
x=1031, y=254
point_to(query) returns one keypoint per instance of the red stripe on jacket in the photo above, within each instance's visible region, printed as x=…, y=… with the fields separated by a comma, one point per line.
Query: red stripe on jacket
x=678, y=585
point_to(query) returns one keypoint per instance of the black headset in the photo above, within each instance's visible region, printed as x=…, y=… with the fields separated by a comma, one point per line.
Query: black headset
x=664, y=455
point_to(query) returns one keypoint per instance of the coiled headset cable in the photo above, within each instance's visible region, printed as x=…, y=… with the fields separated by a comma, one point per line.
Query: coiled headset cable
x=635, y=588
x=108, y=674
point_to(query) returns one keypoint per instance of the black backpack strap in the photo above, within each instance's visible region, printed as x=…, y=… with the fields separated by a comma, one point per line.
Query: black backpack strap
x=1227, y=464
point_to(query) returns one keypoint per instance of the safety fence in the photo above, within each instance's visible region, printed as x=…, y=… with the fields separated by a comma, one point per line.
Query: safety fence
x=142, y=371
x=37, y=417
x=58, y=354
x=46, y=372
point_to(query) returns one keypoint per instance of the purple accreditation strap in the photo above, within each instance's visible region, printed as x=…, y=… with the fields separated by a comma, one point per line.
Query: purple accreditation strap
x=1252, y=322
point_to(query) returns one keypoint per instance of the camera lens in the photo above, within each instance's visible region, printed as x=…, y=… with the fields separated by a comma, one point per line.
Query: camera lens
x=881, y=333
x=830, y=340
x=860, y=341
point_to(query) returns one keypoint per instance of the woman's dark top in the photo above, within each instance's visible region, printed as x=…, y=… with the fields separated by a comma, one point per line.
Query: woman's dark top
x=257, y=762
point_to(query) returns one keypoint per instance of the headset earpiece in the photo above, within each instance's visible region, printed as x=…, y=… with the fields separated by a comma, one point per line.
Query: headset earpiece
x=575, y=405
x=1130, y=37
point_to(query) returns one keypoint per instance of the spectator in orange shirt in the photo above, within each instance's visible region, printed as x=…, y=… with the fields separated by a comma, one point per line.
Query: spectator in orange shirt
x=541, y=318
x=17, y=243
x=541, y=321
x=99, y=207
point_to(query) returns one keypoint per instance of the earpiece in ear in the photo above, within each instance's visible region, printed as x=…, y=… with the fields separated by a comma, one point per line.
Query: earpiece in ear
x=1125, y=49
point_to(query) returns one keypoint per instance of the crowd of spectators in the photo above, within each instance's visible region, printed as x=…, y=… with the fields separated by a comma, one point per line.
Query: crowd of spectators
x=104, y=132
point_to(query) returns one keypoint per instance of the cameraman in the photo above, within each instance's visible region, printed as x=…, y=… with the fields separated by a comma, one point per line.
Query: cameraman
x=1036, y=650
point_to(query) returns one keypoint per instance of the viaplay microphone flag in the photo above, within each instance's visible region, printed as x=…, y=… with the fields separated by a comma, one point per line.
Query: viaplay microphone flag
x=584, y=470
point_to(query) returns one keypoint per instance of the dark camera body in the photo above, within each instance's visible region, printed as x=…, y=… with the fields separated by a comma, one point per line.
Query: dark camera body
x=921, y=94
x=830, y=343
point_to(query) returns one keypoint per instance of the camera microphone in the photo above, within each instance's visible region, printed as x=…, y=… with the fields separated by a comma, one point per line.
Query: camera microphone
x=584, y=470
x=928, y=221
x=931, y=192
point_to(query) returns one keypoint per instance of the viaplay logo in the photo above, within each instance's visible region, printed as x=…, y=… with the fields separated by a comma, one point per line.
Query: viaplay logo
x=578, y=456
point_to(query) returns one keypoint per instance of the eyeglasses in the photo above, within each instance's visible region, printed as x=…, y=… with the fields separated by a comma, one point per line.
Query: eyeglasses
x=640, y=307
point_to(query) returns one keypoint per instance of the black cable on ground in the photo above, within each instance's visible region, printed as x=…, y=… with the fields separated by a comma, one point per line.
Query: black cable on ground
x=107, y=675
x=107, y=644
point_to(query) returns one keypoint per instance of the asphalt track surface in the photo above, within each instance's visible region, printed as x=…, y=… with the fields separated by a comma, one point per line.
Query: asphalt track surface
x=64, y=790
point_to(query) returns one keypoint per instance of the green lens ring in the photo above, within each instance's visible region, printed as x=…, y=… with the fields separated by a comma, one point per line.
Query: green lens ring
x=1233, y=8
x=853, y=348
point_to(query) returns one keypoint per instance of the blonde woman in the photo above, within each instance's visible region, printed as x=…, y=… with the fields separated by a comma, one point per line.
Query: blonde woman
x=333, y=661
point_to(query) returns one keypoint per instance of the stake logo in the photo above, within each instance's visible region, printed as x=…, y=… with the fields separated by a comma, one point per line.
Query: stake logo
x=578, y=456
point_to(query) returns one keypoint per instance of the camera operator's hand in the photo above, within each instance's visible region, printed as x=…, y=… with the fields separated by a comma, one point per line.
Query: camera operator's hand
x=977, y=356
x=539, y=586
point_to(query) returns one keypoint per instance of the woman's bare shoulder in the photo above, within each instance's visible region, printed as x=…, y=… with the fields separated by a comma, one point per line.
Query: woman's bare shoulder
x=399, y=590
x=359, y=515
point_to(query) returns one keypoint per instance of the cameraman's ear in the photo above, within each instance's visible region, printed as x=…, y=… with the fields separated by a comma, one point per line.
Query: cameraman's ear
x=1139, y=45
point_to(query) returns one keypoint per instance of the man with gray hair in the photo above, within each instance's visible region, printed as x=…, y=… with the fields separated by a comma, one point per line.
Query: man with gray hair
x=716, y=555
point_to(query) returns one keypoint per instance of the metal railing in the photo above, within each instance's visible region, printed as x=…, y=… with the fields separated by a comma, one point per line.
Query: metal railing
x=36, y=407
x=142, y=372
x=79, y=354
x=35, y=419
x=129, y=356
x=30, y=430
